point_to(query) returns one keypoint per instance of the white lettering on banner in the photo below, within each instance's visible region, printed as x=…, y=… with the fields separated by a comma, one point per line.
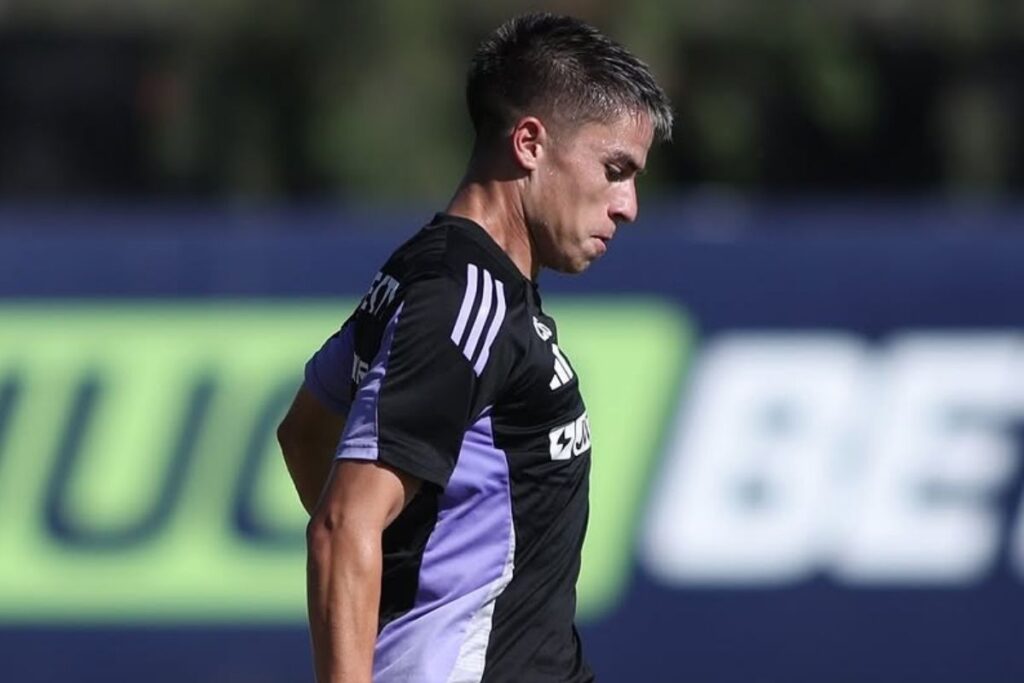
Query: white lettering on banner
x=1017, y=547
x=941, y=446
x=747, y=475
x=798, y=453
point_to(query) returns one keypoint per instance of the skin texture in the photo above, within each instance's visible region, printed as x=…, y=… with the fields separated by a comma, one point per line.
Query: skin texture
x=551, y=197
x=308, y=435
x=343, y=571
x=350, y=503
x=582, y=186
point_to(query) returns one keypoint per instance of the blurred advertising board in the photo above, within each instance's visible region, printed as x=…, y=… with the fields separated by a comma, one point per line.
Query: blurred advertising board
x=807, y=448
x=155, y=488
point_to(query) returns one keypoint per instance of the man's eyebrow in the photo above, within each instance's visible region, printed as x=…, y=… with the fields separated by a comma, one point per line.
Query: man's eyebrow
x=626, y=161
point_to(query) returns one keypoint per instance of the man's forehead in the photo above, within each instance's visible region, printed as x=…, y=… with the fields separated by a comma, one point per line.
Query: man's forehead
x=627, y=138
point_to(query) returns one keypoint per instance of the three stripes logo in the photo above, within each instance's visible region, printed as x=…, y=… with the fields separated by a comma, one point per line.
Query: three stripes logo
x=563, y=371
x=481, y=315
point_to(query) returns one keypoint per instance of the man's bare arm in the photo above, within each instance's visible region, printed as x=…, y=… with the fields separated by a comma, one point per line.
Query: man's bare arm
x=308, y=436
x=344, y=565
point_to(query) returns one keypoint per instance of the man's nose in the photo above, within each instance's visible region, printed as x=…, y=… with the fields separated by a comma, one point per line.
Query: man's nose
x=623, y=208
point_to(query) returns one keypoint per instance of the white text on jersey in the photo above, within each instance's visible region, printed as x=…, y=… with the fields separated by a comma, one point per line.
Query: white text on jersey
x=570, y=439
x=382, y=292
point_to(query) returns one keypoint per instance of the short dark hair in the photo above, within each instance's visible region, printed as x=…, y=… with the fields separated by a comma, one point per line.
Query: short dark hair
x=562, y=67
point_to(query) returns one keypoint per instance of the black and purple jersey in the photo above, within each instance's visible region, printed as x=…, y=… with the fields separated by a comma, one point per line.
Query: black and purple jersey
x=450, y=370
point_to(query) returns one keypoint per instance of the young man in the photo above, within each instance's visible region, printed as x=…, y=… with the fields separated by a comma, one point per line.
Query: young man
x=446, y=543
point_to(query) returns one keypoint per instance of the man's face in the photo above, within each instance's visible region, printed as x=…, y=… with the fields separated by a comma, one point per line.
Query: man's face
x=584, y=187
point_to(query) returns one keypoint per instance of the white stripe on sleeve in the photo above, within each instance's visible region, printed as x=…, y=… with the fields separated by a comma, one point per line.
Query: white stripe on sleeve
x=492, y=331
x=467, y=305
x=486, y=299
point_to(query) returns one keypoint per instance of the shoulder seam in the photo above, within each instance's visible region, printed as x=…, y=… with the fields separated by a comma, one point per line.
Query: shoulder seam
x=479, y=252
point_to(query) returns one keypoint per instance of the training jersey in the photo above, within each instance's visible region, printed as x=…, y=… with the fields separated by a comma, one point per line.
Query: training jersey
x=450, y=370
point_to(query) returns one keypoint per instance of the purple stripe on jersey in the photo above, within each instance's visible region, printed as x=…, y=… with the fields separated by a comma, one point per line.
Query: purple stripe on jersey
x=466, y=564
x=359, y=442
x=329, y=371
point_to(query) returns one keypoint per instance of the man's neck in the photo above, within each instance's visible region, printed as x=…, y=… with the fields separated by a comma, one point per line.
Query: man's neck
x=495, y=206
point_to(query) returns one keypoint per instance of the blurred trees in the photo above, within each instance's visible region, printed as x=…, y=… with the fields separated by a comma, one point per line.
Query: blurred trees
x=363, y=100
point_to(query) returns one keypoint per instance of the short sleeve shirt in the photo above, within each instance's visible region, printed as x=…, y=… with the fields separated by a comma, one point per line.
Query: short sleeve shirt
x=450, y=370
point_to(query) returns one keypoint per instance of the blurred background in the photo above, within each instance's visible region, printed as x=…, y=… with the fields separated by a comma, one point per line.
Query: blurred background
x=804, y=364
x=263, y=101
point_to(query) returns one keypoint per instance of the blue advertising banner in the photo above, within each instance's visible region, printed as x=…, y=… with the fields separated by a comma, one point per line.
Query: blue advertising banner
x=808, y=429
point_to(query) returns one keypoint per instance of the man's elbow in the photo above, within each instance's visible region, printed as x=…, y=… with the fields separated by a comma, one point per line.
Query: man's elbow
x=328, y=534
x=318, y=534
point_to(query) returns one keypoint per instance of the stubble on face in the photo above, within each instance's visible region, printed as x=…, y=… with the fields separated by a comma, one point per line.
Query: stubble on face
x=586, y=189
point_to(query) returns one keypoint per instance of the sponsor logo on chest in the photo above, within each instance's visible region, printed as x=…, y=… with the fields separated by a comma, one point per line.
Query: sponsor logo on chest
x=570, y=439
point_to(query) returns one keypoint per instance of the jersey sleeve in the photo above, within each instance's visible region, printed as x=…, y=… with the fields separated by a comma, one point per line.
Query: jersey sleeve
x=427, y=380
x=329, y=371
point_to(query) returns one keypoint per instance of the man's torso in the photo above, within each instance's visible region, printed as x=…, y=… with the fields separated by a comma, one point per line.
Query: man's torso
x=457, y=377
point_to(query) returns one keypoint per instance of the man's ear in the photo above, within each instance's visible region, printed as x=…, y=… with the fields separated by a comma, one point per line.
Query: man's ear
x=529, y=142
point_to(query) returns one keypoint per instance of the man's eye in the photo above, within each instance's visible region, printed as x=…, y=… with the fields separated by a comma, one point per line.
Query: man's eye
x=613, y=172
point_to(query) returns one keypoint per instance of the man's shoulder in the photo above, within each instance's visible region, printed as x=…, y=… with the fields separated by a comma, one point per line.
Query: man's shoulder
x=454, y=249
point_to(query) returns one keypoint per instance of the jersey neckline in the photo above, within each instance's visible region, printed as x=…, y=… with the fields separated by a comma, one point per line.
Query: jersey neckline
x=479, y=235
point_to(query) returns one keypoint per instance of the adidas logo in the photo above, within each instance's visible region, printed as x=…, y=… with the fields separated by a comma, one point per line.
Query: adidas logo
x=563, y=371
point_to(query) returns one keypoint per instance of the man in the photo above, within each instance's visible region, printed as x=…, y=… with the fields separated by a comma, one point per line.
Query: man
x=445, y=545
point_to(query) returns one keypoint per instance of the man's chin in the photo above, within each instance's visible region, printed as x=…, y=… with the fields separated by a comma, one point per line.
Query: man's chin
x=572, y=266
x=576, y=267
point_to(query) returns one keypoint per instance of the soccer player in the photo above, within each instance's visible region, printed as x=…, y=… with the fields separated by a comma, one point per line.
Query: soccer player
x=445, y=545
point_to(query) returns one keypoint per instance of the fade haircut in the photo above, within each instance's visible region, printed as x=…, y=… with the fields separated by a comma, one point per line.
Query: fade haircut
x=560, y=68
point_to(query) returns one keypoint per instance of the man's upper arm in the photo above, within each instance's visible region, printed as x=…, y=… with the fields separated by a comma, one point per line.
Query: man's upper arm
x=318, y=412
x=422, y=389
x=311, y=422
x=328, y=374
x=365, y=494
